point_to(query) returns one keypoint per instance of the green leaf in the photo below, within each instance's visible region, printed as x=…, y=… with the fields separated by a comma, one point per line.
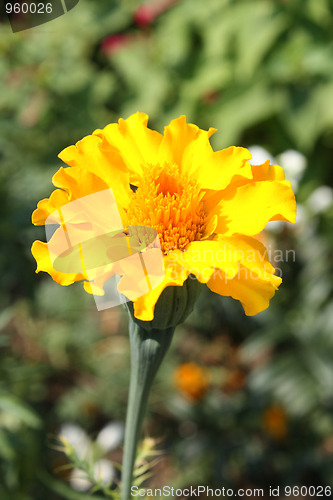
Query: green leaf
x=20, y=411
x=258, y=27
x=7, y=450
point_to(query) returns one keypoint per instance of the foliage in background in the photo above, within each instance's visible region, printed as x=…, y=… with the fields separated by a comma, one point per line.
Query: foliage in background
x=261, y=71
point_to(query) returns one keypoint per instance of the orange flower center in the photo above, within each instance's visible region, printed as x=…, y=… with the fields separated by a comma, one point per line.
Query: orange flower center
x=170, y=202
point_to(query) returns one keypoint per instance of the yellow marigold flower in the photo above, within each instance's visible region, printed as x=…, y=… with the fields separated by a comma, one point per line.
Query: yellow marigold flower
x=192, y=380
x=207, y=207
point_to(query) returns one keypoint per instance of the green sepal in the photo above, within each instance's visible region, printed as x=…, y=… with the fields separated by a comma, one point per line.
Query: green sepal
x=173, y=306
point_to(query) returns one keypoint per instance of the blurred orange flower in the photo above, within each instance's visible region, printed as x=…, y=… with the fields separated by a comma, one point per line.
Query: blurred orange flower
x=192, y=380
x=275, y=422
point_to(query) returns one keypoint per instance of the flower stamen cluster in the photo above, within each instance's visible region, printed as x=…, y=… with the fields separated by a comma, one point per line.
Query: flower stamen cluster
x=170, y=202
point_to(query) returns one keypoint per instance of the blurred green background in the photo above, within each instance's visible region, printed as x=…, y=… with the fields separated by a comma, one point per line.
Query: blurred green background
x=239, y=402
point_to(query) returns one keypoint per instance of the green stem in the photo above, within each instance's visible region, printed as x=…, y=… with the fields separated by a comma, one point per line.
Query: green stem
x=148, y=348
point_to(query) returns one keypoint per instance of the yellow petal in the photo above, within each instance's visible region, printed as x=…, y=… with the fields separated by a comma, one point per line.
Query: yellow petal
x=247, y=174
x=203, y=258
x=217, y=171
x=175, y=275
x=97, y=279
x=211, y=199
x=74, y=183
x=253, y=292
x=186, y=145
x=87, y=156
x=267, y=172
x=40, y=252
x=133, y=142
x=45, y=207
x=211, y=223
x=248, y=208
x=254, y=256
x=77, y=182
x=89, y=288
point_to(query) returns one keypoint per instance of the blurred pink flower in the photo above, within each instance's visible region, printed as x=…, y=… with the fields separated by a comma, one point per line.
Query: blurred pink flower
x=147, y=12
x=112, y=43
